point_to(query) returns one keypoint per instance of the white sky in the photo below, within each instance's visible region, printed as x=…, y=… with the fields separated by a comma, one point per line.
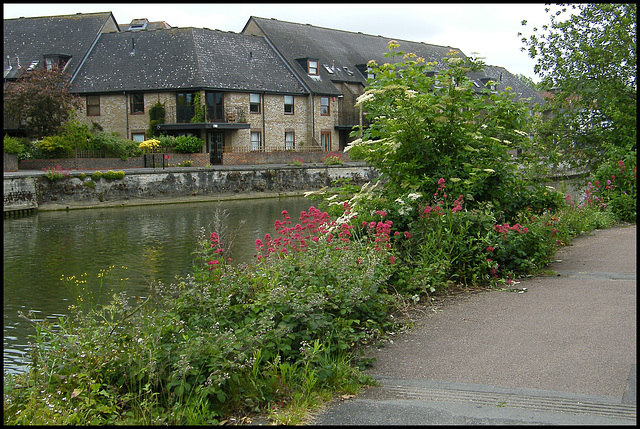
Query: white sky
x=490, y=30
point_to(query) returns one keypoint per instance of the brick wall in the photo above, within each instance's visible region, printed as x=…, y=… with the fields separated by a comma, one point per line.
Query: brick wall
x=10, y=162
x=279, y=157
x=198, y=159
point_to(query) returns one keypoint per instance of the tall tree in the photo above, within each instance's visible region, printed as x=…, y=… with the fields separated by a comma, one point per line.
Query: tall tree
x=428, y=125
x=586, y=59
x=42, y=99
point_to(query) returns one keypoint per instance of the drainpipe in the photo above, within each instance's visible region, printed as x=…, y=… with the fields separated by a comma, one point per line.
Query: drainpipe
x=126, y=112
x=264, y=128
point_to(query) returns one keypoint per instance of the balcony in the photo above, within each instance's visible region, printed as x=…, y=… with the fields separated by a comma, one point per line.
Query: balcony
x=182, y=118
x=348, y=119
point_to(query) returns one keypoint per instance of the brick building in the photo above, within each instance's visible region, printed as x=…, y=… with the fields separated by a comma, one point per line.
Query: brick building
x=275, y=87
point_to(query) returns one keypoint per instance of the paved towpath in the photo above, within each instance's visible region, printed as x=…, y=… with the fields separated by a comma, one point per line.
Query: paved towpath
x=563, y=352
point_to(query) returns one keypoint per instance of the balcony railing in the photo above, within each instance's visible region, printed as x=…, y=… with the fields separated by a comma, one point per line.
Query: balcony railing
x=185, y=114
x=350, y=118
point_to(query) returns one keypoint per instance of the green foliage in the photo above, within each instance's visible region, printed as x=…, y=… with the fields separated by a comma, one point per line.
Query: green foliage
x=333, y=159
x=42, y=99
x=156, y=117
x=55, y=173
x=76, y=135
x=233, y=340
x=614, y=185
x=166, y=140
x=12, y=145
x=586, y=58
x=115, y=145
x=96, y=176
x=427, y=125
x=187, y=144
x=198, y=110
x=113, y=175
x=56, y=147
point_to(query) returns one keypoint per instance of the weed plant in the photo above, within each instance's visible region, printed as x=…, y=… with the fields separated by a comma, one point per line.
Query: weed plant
x=55, y=173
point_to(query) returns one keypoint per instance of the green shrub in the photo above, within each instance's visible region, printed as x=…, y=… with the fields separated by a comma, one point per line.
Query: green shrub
x=113, y=175
x=115, y=145
x=96, y=176
x=12, y=145
x=188, y=144
x=166, y=140
x=156, y=117
x=55, y=173
x=90, y=184
x=56, y=147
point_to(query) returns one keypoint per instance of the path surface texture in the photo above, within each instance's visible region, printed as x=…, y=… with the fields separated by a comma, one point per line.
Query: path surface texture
x=563, y=352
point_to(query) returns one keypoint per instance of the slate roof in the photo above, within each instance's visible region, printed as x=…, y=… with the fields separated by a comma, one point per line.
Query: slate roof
x=29, y=39
x=506, y=79
x=184, y=58
x=348, y=49
x=342, y=48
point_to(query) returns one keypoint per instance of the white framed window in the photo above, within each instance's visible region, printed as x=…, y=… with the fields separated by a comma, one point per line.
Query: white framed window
x=137, y=137
x=324, y=106
x=254, y=103
x=256, y=140
x=288, y=104
x=312, y=67
x=289, y=140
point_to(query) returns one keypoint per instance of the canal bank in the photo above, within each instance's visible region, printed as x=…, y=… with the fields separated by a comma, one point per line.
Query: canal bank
x=32, y=190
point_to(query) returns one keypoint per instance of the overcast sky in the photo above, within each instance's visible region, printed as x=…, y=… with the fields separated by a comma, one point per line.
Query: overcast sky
x=490, y=30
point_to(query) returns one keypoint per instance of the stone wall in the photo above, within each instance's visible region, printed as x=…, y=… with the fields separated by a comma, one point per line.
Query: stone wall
x=19, y=194
x=192, y=183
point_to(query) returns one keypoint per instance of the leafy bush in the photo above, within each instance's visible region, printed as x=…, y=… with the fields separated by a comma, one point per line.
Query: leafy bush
x=55, y=173
x=114, y=145
x=56, y=147
x=113, y=175
x=188, y=144
x=156, y=117
x=96, y=176
x=615, y=185
x=166, y=140
x=12, y=145
x=150, y=145
x=333, y=159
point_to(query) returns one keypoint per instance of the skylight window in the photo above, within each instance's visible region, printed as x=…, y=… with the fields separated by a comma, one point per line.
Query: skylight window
x=329, y=69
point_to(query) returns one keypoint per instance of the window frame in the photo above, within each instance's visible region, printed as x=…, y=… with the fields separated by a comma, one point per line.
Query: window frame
x=310, y=68
x=91, y=107
x=215, y=111
x=325, y=135
x=289, y=104
x=133, y=135
x=254, y=104
x=322, y=106
x=255, y=148
x=138, y=103
x=292, y=141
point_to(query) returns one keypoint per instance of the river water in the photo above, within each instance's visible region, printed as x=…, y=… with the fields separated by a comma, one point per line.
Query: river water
x=151, y=243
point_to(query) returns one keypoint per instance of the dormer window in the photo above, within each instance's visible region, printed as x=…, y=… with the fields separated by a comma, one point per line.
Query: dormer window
x=138, y=24
x=489, y=83
x=58, y=61
x=312, y=67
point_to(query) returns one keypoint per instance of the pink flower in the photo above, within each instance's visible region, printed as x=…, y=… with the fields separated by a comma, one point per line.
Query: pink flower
x=490, y=249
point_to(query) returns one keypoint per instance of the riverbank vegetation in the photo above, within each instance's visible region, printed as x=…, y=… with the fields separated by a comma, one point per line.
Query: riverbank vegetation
x=451, y=208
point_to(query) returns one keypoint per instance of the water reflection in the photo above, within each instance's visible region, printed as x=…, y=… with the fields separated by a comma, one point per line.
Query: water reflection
x=152, y=242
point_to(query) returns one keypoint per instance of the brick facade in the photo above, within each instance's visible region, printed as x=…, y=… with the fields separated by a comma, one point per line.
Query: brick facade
x=272, y=122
